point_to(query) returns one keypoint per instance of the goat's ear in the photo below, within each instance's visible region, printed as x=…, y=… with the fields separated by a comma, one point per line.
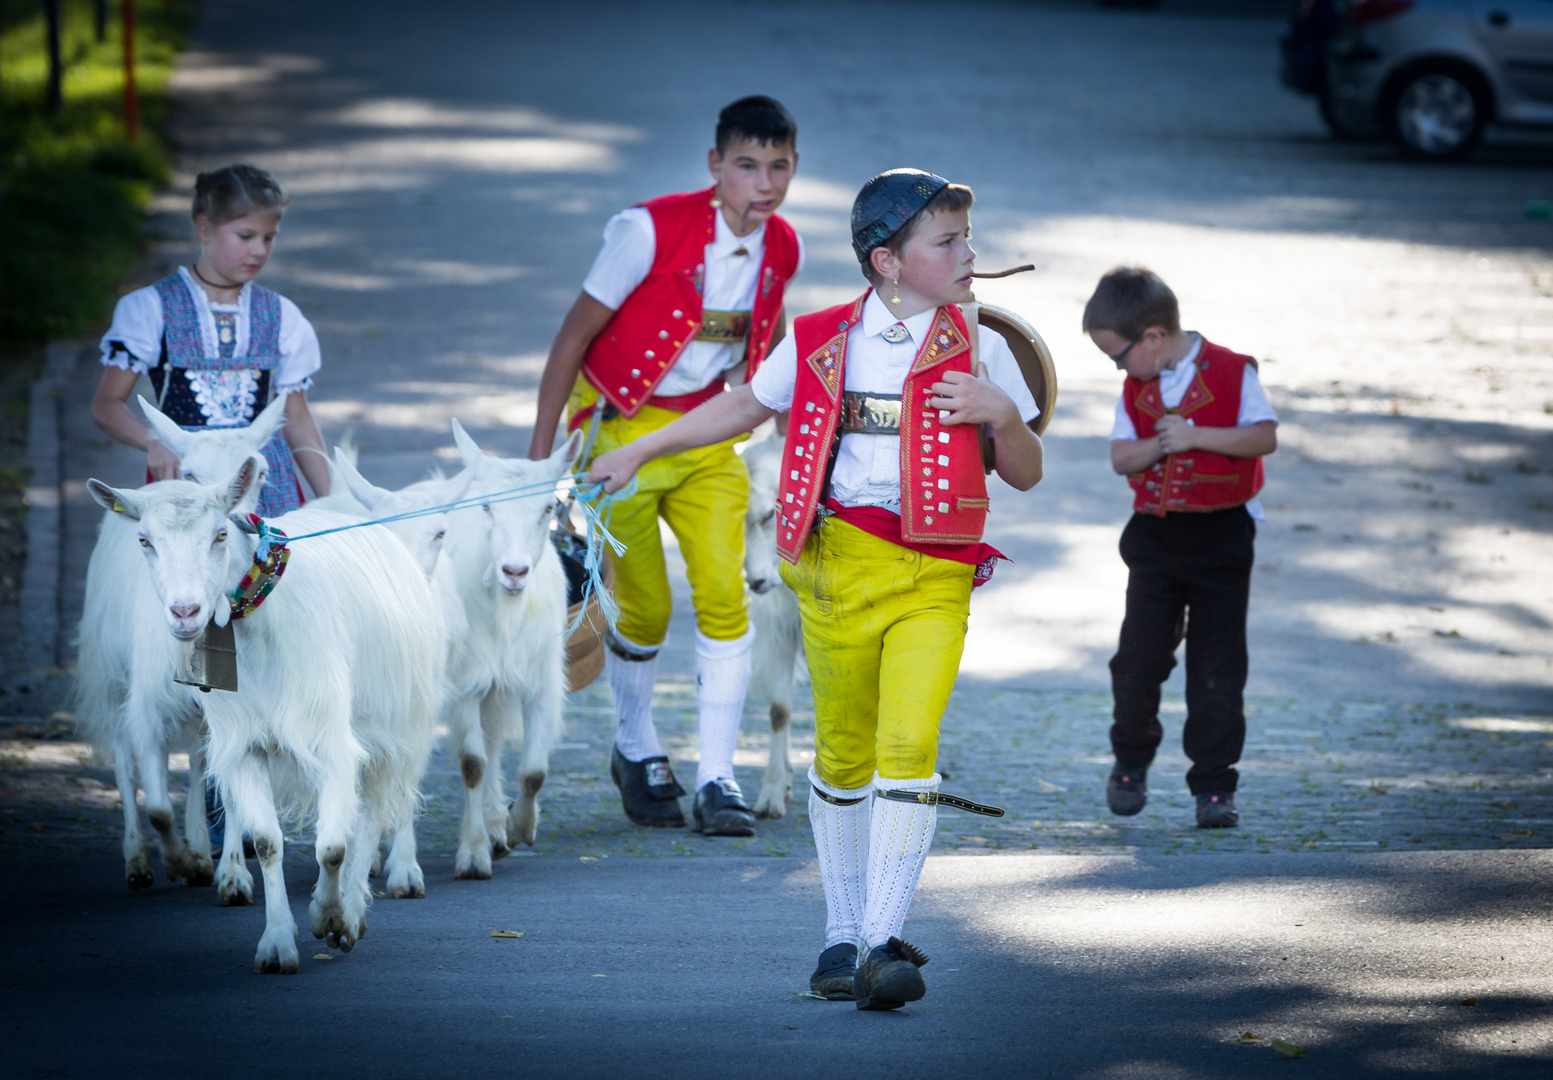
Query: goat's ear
x=468, y=449
x=453, y=490
x=168, y=433
x=367, y=493
x=241, y=493
x=268, y=422
x=570, y=450
x=128, y=503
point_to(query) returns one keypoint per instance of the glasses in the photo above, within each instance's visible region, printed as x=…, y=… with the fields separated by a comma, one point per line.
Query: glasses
x=1121, y=356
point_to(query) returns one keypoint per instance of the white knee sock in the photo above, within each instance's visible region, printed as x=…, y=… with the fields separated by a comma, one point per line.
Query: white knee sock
x=723, y=680
x=632, y=683
x=898, y=842
x=841, y=839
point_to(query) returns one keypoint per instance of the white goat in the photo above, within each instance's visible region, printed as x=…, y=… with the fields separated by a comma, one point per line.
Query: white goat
x=774, y=614
x=504, y=598
x=423, y=536
x=340, y=676
x=126, y=701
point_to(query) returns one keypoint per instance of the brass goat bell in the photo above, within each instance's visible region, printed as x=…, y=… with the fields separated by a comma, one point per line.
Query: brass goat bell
x=210, y=660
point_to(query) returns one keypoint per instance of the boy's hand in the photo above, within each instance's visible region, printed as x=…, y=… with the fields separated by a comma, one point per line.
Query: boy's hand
x=1175, y=434
x=613, y=469
x=161, y=462
x=973, y=399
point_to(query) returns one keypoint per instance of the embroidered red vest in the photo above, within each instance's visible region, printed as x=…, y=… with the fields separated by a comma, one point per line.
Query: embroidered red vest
x=641, y=341
x=1197, y=480
x=943, y=488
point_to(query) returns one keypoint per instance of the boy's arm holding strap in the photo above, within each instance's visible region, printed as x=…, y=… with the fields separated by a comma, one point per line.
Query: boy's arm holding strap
x=715, y=421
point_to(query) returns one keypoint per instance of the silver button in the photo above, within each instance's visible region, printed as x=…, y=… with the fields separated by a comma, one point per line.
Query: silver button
x=636, y=373
x=678, y=314
x=624, y=391
x=650, y=354
x=663, y=335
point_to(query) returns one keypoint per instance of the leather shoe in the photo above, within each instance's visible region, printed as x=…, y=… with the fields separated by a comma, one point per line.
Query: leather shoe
x=1127, y=790
x=648, y=791
x=832, y=978
x=889, y=977
x=720, y=810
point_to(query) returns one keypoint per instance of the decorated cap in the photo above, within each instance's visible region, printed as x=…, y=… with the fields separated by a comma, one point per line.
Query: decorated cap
x=887, y=202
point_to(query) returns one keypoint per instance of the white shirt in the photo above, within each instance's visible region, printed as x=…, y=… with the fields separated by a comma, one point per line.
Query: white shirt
x=134, y=341
x=1173, y=385
x=630, y=244
x=868, y=467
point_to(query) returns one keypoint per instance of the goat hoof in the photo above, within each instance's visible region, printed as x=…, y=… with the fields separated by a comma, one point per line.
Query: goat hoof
x=499, y=849
x=137, y=871
x=203, y=872
x=277, y=954
x=235, y=892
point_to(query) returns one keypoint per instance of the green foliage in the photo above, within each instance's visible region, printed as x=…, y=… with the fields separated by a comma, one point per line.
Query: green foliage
x=72, y=185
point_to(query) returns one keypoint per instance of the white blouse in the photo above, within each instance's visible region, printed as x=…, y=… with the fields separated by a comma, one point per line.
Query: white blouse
x=134, y=341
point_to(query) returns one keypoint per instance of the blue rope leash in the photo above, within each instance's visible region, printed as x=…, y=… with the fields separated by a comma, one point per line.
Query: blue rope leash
x=597, y=508
x=506, y=495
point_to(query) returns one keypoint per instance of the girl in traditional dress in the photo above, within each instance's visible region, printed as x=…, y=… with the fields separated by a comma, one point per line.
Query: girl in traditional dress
x=217, y=347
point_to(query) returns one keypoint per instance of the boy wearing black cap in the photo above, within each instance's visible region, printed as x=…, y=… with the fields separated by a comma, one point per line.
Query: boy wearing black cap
x=881, y=510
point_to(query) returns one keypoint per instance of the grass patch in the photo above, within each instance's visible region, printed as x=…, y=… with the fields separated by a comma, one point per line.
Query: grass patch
x=72, y=185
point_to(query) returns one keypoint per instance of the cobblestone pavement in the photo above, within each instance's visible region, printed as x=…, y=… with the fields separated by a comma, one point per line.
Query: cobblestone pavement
x=1318, y=776
x=448, y=203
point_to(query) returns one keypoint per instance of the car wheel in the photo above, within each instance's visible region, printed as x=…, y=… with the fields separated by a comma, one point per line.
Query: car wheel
x=1437, y=115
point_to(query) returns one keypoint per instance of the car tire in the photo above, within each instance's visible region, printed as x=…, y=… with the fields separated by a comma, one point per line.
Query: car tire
x=1437, y=113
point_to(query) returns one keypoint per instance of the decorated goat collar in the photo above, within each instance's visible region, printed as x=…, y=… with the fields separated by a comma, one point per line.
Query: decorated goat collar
x=269, y=563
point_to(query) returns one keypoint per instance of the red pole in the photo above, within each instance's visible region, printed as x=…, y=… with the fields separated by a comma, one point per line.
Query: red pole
x=131, y=105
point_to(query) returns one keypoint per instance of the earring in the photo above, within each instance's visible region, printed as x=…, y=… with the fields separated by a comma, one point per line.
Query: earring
x=896, y=299
x=716, y=203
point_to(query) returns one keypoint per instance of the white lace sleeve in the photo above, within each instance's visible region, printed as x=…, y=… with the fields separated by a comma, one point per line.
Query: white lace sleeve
x=300, y=356
x=134, y=341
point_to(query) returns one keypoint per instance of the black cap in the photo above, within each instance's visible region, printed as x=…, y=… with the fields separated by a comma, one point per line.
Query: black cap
x=887, y=202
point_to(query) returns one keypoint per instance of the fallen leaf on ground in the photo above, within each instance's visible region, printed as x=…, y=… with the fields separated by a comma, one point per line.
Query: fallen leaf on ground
x=973, y=839
x=1516, y=835
x=598, y=976
x=507, y=933
x=1250, y=1036
x=1046, y=786
x=1469, y=1002
x=323, y=956
x=1288, y=1049
x=587, y=858
x=806, y=994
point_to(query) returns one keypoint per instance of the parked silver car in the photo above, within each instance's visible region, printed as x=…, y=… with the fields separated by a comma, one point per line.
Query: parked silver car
x=1432, y=74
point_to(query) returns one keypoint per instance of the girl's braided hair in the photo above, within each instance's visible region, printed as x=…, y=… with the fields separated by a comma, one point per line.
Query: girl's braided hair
x=234, y=190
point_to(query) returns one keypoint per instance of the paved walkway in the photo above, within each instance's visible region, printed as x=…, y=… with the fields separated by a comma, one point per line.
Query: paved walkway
x=452, y=167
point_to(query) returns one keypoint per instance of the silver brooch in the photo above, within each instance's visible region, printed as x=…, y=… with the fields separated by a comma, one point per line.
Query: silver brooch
x=896, y=334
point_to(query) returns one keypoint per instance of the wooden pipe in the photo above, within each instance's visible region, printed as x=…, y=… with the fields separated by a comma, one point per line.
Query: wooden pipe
x=1007, y=273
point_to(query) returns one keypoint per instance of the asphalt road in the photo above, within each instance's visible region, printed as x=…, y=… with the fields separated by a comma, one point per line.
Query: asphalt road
x=452, y=167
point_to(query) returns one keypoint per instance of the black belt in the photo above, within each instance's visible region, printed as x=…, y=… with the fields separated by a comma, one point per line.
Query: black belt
x=929, y=798
x=870, y=414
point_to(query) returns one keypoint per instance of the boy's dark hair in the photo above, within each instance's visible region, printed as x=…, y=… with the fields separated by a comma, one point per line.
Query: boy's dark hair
x=234, y=190
x=758, y=118
x=1129, y=300
x=949, y=200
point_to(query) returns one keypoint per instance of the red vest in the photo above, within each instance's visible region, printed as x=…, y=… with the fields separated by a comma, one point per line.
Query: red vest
x=1198, y=479
x=943, y=488
x=641, y=341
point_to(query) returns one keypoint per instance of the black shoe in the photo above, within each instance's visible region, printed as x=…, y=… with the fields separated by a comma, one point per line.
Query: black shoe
x=889, y=977
x=648, y=791
x=720, y=810
x=1127, y=790
x=832, y=978
x=1216, y=810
